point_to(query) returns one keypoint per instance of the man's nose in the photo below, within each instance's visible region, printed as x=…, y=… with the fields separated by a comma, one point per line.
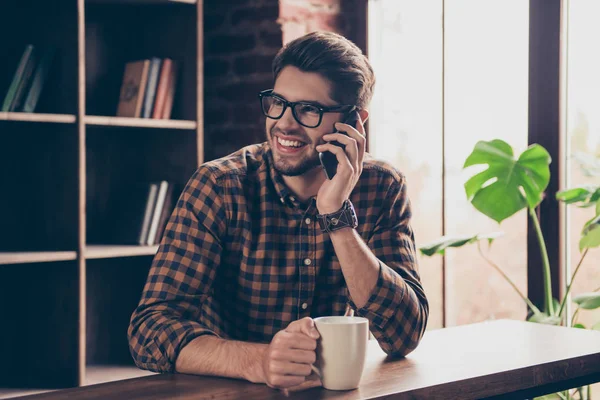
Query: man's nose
x=287, y=120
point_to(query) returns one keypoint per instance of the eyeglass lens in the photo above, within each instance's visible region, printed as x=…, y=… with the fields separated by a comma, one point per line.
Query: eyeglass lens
x=306, y=114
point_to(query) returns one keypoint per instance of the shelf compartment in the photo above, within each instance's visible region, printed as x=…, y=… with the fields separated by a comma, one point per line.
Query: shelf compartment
x=37, y=117
x=113, y=288
x=47, y=314
x=140, y=122
x=114, y=251
x=39, y=202
x=118, y=33
x=36, y=257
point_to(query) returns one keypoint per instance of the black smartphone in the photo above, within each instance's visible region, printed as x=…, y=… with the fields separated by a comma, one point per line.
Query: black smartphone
x=327, y=158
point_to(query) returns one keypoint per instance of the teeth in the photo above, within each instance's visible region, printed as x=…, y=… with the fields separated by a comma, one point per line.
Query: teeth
x=289, y=143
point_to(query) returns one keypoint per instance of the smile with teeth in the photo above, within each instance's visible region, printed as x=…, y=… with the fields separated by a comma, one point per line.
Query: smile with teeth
x=289, y=143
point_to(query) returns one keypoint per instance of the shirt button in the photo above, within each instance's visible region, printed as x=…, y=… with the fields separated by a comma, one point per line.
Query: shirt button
x=307, y=261
x=282, y=199
x=292, y=198
x=307, y=220
x=304, y=306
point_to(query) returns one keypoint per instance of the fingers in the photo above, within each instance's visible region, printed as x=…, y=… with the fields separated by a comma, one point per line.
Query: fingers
x=343, y=159
x=297, y=356
x=351, y=146
x=289, y=368
x=305, y=325
x=286, y=381
x=290, y=355
x=357, y=134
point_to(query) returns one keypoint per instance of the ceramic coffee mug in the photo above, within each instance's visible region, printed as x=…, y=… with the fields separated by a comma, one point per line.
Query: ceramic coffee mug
x=341, y=351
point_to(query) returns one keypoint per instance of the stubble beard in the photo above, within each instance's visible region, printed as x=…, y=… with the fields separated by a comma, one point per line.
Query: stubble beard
x=284, y=167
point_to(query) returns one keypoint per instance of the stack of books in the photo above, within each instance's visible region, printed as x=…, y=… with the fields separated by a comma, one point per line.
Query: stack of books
x=139, y=215
x=28, y=80
x=148, y=89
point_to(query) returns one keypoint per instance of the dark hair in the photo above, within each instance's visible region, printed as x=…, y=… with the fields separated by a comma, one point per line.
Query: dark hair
x=335, y=58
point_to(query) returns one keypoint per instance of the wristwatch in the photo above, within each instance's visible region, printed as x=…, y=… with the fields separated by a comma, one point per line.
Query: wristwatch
x=344, y=217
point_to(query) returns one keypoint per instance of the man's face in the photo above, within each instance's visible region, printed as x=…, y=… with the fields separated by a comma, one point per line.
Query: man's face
x=292, y=144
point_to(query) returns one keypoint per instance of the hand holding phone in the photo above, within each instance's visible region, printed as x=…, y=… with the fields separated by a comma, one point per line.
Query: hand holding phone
x=327, y=158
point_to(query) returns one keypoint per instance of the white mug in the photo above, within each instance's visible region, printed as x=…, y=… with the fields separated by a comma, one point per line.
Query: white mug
x=341, y=351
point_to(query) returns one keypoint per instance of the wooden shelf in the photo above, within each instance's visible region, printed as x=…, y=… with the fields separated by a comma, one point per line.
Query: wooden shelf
x=141, y=1
x=140, y=122
x=36, y=117
x=95, y=374
x=110, y=251
x=36, y=256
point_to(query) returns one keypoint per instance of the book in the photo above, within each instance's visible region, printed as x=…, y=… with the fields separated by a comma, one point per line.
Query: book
x=161, y=90
x=160, y=200
x=38, y=80
x=168, y=207
x=133, y=87
x=151, y=84
x=123, y=222
x=150, y=203
x=26, y=59
x=170, y=96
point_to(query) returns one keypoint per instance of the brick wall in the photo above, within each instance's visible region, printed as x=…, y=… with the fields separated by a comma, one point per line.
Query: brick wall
x=241, y=37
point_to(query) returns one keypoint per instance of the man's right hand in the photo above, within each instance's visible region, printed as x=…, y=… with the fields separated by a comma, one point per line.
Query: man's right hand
x=288, y=359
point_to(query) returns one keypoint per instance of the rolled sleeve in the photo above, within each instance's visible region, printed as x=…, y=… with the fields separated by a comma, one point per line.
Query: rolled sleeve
x=397, y=307
x=176, y=304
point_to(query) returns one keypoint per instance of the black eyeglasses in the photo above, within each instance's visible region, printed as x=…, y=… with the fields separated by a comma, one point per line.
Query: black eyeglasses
x=306, y=114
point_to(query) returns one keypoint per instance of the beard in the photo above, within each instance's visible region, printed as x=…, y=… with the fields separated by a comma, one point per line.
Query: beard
x=283, y=164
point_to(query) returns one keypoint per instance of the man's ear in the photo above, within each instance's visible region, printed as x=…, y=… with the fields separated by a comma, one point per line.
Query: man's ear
x=364, y=115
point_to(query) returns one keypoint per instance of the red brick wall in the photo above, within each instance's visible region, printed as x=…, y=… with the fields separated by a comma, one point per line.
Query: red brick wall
x=241, y=37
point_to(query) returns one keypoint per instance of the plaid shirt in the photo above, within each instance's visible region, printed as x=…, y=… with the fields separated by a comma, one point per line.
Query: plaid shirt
x=241, y=258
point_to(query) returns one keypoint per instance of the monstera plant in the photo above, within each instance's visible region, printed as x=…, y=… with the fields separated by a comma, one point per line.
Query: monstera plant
x=506, y=185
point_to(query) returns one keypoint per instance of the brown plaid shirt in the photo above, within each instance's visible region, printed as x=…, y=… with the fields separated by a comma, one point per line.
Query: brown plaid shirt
x=241, y=258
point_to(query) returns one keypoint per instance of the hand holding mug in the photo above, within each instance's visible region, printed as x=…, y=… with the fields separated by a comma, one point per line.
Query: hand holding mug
x=288, y=359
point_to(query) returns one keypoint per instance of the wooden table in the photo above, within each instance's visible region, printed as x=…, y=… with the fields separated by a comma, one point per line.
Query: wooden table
x=497, y=359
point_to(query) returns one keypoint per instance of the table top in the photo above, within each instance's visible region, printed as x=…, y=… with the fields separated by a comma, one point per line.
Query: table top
x=504, y=358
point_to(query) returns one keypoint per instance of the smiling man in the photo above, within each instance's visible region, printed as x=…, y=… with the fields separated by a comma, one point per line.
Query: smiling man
x=261, y=241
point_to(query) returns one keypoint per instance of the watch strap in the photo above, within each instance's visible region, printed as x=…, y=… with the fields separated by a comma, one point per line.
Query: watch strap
x=343, y=218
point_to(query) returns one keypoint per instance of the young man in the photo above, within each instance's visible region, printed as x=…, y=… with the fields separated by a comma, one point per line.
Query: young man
x=262, y=240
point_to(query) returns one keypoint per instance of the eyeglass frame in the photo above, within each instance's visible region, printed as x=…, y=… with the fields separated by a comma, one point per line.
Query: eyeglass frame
x=342, y=108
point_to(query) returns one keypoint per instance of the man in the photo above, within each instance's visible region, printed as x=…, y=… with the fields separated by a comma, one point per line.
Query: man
x=262, y=240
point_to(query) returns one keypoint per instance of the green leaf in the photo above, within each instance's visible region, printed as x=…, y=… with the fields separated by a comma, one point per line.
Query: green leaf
x=579, y=326
x=543, y=318
x=440, y=245
x=590, y=237
x=553, y=396
x=507, y=185
x=588, y=301
x=575, y=195
x=597, y=207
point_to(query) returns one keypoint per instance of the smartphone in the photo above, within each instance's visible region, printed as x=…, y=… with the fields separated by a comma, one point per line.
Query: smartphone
x=327, y=158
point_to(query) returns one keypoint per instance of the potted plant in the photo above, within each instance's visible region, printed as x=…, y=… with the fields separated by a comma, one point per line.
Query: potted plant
x=508, y=185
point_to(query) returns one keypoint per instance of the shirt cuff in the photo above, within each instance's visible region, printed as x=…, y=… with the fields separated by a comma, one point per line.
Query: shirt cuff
x=385, y=298
x=164, y=350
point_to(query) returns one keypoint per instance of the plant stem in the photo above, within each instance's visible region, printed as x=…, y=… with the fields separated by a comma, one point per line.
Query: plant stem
x=501, y=272
x=564, y=301
x=549, y=307
x=574, y=316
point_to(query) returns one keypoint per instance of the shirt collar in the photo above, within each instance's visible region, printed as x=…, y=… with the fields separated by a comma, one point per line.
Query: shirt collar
x=283, y=192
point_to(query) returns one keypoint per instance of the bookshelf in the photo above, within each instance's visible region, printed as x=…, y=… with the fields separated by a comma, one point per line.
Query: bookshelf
x=67, y=298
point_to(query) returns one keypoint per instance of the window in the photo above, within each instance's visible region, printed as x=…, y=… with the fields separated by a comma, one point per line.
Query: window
x=438, y=92
x=583, y=137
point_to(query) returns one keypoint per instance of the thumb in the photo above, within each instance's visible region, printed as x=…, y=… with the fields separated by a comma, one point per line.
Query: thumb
x=306, y=326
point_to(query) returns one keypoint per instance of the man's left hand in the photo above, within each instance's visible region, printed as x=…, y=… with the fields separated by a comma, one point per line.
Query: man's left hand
x=334, y=192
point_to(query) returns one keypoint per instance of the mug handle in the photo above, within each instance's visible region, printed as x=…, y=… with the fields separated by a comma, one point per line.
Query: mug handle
x=316, y=371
